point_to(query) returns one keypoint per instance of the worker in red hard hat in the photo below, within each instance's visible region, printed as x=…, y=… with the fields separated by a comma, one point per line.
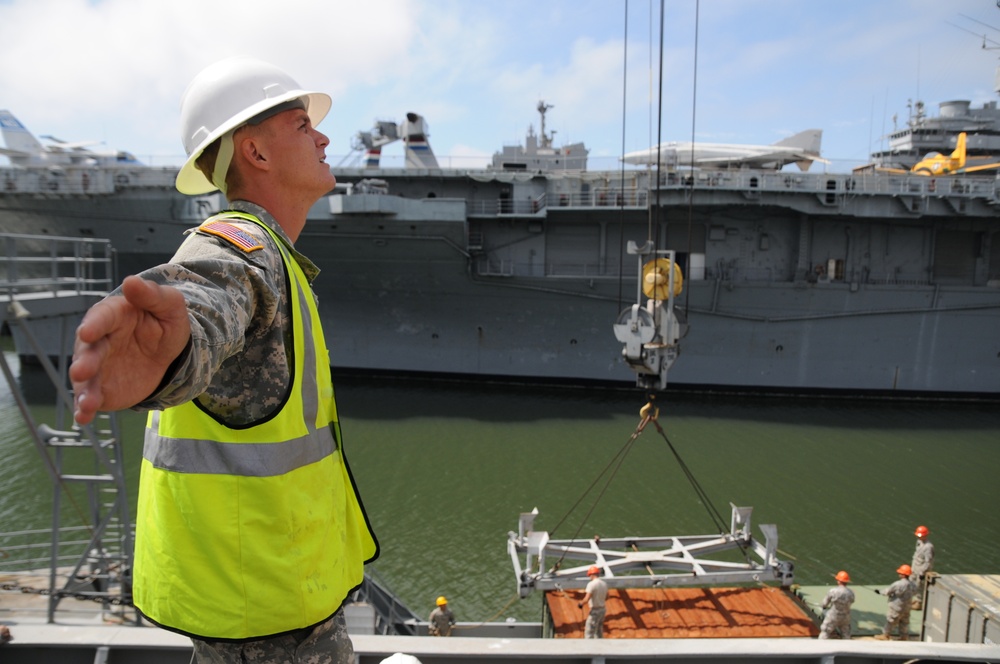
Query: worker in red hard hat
x=900, y=595
x=597, y=595
x=923, y=562
x=838, y=601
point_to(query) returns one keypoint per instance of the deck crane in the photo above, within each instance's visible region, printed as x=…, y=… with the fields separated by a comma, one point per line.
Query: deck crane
x=412, y=131
x=652, y=331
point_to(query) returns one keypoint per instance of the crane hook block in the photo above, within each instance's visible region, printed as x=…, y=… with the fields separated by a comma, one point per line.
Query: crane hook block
x=656, y=277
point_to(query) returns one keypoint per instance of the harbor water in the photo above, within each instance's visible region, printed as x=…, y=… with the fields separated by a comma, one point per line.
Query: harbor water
x=445, y=468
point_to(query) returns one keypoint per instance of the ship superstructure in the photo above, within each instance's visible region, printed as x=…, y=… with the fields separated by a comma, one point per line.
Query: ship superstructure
x=923, y=134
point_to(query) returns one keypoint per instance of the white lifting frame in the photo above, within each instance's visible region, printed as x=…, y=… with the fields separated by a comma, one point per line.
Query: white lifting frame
x=541, y=563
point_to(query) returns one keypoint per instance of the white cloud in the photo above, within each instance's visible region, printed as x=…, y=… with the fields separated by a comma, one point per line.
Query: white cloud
x=114, y=70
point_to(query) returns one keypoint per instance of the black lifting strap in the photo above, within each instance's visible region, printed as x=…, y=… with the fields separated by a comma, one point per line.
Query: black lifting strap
x=616, y=461
x=649, y=414
x=713, y=513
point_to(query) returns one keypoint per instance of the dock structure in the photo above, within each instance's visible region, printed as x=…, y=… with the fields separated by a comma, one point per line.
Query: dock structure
x=123, y=644
x=47, y=283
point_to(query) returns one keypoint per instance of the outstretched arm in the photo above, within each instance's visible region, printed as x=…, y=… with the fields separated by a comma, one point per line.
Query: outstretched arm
x=125, y=345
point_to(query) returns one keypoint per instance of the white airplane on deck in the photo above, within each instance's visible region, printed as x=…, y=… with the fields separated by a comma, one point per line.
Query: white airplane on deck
x=24, y=150
x=801, y=149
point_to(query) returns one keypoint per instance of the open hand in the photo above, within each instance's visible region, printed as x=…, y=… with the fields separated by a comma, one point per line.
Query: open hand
x=125, y=344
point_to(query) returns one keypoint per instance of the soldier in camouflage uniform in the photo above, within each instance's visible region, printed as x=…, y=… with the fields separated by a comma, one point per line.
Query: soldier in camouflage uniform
x=213, y=326
x=923, y=562
x=838, y=601
x=900, y=593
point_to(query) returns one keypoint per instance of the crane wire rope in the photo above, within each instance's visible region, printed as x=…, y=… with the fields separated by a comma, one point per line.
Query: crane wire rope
x=621, y=184
x=654, y=218
x=649, y=415
x=615, y=461
x=694, y=115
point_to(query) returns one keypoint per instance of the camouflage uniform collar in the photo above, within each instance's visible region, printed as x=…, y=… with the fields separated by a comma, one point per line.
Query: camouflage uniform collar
x=308, y=267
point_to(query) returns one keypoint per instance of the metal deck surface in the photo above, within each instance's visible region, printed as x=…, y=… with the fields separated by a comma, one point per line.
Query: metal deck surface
x=672, y=613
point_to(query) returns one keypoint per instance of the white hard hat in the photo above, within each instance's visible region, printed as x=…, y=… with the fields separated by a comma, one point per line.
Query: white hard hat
x=400, y=658
x=223, y=97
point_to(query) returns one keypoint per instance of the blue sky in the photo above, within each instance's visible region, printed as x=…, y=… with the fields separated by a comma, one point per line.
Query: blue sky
x=114, y=70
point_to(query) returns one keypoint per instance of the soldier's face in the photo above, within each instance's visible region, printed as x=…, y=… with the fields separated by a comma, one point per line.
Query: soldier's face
x=297, y=151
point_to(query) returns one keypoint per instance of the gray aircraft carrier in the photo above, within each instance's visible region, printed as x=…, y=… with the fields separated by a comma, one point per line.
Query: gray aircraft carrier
x=793, y=281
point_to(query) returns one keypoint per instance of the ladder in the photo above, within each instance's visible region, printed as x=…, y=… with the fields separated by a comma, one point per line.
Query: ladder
x=46, y=285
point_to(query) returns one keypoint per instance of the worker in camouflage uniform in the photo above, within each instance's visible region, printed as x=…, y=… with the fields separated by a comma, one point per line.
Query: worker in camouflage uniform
x=838, y=601
x=897, y=616
x=249, y=533
x=923, y=562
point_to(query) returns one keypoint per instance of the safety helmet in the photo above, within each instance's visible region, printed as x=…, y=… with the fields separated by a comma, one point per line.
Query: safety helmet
x=224, y=96
x=441, y=601
x=594, y=570
x=921, y=531
x=843, y=577
x=904, y=569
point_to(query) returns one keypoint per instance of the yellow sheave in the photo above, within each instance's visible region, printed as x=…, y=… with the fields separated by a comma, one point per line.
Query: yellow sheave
x=251, y=532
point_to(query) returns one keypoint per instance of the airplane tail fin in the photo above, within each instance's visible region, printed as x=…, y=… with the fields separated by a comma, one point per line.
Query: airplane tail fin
x=958, y=156
x=17, y=138
x=808, y=141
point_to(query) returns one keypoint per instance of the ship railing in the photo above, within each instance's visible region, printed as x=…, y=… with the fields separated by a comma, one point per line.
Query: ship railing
x=592, y=198
x=55, y=265
x=898, y=279
x=487, y=266
x=841, y=276
x=577, y=270
x=601, y=198
x=756, y=274
x=24, y=552
x=83, y=181
x=492, y=267
x=498, y=207
x=833, y=184
x=93, y=572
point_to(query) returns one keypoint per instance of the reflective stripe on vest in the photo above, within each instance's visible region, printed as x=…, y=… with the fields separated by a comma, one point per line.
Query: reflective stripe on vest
x=248, y=532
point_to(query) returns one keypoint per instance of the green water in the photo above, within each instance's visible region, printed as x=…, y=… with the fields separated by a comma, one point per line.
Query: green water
x=445, y=468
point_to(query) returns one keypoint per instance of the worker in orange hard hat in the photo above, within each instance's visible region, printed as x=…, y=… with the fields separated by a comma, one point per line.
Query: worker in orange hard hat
x=923, y=561
x=838, y=601
x=900, y=595
x=597, y=595
x=442, y=619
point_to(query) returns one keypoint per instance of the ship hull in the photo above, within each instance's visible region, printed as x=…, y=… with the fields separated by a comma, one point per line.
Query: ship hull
x=765, y=336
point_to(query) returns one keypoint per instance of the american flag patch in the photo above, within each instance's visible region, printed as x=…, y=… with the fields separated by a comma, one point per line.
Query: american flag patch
x=232, y=234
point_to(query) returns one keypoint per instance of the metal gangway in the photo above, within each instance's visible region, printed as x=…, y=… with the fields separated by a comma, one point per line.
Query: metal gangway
x=46, y=285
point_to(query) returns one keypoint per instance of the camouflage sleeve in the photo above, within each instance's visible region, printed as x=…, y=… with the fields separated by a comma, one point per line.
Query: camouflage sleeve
x=226, y=291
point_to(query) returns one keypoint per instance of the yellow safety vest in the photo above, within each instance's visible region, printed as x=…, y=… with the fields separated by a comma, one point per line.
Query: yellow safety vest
x=249, y=532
